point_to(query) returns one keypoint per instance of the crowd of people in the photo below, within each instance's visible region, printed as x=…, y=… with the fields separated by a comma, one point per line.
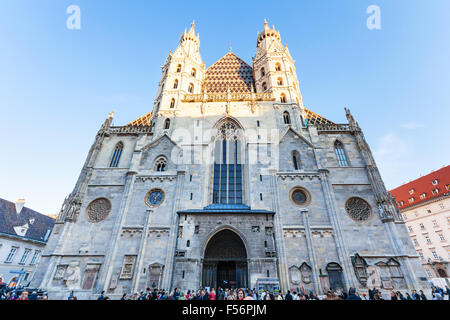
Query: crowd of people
x=248, y=294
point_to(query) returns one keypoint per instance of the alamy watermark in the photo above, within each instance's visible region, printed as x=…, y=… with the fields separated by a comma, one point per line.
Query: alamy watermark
x=73, y=22
x=374, y=20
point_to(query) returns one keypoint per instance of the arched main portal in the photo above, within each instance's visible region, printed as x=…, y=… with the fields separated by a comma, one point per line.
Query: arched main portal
x=225, y=261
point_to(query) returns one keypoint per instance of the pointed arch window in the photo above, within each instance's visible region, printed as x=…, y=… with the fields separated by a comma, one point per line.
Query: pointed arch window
x=286, y=118
x=340, y=154
x=227, y=183
x=175, y=84
x=160, y=164
x=283, y=98
x=193, y=72
x=116, y=155
x=263, y=72
x=191, y=88
x=179, y=68
x=172, y=103
x=167, y=124
x=280, y=81
x=278, y=67
x=264, y=86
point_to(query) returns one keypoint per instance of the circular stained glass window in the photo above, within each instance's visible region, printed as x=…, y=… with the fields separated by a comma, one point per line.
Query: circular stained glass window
x=300, y=196
x=154, y=197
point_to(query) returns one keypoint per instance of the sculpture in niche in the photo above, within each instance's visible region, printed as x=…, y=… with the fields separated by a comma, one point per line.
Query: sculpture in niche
x=72, y=276
x=306, y=272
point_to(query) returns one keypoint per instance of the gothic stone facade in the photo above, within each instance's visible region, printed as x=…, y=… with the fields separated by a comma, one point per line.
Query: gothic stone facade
x=230, y=181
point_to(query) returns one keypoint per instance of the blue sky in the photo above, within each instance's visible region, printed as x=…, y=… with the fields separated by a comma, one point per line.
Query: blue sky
x=58, y=85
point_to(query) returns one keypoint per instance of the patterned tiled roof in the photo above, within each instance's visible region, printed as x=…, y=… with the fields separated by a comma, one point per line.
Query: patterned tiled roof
x=142, y=121
x=229, y=72
x=314, y=119
x=38, y=224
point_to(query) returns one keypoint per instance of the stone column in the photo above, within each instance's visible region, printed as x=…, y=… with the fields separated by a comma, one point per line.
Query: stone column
x=173, y=235
x=311, y=253
x=111, y=254
x=344, y=256
x=279, y=236
x=141, y=252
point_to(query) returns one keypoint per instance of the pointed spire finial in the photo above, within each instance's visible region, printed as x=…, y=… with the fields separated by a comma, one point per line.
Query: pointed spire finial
x=231, y=47
x=192, y=29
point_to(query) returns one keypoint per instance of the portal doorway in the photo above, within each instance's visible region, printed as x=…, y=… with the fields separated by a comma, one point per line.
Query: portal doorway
x=225, y=262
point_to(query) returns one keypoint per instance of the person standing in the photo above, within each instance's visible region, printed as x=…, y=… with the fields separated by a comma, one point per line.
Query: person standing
x=212, y=295
x=101, y=296
x=352, y=295
x=288, y=296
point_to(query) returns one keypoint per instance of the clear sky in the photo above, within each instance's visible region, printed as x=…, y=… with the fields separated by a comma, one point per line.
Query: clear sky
x=58, y=85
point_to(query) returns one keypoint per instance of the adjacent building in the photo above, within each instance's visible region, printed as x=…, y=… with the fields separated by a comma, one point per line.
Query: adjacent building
x=230, y=181
x=23, y=236
x=425, y=206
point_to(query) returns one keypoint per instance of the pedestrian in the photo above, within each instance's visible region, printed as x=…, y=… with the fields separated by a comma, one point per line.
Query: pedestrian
x=124, y=297
x=212, y=295
x=408, y=297
x=101, y=296
x=422, y=295
x=352, y=295
x=288, y=296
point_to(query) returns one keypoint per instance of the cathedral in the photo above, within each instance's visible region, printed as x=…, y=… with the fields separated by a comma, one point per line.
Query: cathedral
x=229, y=182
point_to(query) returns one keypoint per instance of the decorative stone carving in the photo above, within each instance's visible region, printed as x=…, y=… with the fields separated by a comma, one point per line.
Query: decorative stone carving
x=358, y=209
x=72, y=276
x=306, y=272
x=154, y=178
x=128, y=267
x=60, y=272
x=301, y=176
x=255, y=229
x=294, y=274
x=98, y=210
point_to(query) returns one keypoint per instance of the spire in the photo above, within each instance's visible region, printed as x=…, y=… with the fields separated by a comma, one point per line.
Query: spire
x=192, y=29
x=268, y=32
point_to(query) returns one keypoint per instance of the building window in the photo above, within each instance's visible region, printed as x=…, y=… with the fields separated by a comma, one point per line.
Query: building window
x=423, y=196
x=405, y=217
x=286, y=118
x=197, y=229
x=441, y=237
x=416, y=243
x=260, y=196
x=340, y=154
x=35, y=257
x=192, y=195
x=182, y=274
x=435, y=182
x=260, y=177
x=447, y=186
x=257, y=123
x=295, y=159
x=422, y=227
x=283, y=98
x=167, y=124
x=401, y=203
x=411, y=191
x=435, y=191
x=280, y=81
x=435, y=224
x=421, y=256
x=410, y=229
x=160, y=164
x=11, y=254
x=264, y=86
x=25, y=256
x=116, y=155
x=227, y=183
x=278, y=67
x=191, y=88
x=172, y=103
x=428, y=240
x=435, y=255
x=128, y=267
x=179, y=68
x=441, y=205
x=429, y=274
x=263, y=72
x=188, y=243
x=193, y=72
x=175, y=84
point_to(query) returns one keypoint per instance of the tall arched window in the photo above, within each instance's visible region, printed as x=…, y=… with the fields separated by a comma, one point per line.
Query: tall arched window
x=167, y=124
x=340, y=154
x=160, y=164
x=191, y=88
x=264, y=86
x=179, y=68
x=172, y=103
x=175, y=84
x=296, y=160
x=116, y=155
x=278, y=67
x=283, y=98
x=193, y=72
x=286, y=118
x=280, y=81
x=227, y=186
x=263, y=72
